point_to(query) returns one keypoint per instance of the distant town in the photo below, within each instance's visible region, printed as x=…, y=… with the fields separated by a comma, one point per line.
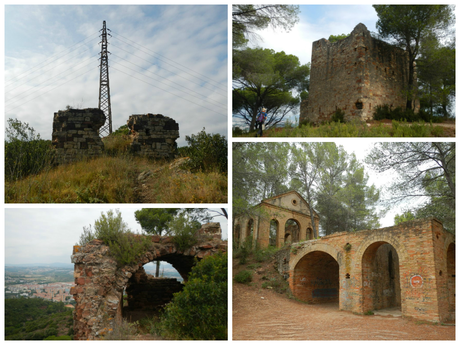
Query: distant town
x=53, y=283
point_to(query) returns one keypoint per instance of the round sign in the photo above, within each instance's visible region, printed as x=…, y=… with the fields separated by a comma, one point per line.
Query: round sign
x=416, y=281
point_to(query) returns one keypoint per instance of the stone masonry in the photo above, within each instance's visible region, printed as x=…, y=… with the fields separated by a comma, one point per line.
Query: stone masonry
x=355, y=74
x=100, y=282
x=410, y=266
x=154, y=136
x=76, y=134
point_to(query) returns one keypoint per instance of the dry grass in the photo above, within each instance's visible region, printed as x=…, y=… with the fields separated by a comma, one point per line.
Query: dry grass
x=114, y=180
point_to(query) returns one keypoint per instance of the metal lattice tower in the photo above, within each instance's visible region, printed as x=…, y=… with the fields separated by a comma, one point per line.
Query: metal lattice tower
x=104, y=87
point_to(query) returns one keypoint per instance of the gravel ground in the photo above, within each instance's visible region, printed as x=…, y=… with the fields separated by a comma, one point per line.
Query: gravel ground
x=261, y=314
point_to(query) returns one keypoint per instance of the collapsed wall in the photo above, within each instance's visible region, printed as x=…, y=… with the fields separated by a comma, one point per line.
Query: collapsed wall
x=154, y=136
x=76, y=134
x=100, y=281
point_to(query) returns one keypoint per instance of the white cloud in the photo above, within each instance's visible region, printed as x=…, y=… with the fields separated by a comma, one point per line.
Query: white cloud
x=193, y=36
x=47, y=235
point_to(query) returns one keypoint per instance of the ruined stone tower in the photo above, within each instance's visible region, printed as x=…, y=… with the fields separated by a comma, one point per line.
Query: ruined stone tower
x=355, y=75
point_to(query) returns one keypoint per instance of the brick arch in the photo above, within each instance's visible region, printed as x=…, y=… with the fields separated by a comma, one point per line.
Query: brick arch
x=375, y=237
x=315, y=273
x=312, y=247
x=100, y=282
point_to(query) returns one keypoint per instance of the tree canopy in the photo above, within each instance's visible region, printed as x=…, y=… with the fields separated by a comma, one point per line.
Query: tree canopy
x=265, y=78
x=425, y=172
x=407, y=26
x=333, y=182
x=246, y=19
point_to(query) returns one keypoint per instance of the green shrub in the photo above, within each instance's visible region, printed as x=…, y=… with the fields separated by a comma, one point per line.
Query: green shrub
x=25, y=153
x=207, y=152
x=199, y=311
x=338, y=116
x=125, y=246
x=243, y=277
x=61, y=337
x=185, y=231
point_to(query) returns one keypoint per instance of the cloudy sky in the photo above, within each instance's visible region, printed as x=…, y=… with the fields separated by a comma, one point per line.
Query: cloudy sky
x=47, y=235
x=169, y=60
x=316, y=22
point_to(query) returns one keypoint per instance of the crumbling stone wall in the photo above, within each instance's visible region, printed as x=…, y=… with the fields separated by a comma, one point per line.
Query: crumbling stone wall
x=355, y=74
x=411, y=266
x=76, y=134
x=100, y=282
x=154, y=136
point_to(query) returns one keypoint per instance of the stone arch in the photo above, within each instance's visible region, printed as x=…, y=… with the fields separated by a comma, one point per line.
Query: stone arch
x=250, y=229
x=100, y=281
x=237, y=234
x=315, y=275
x=274, y=229
x=380, y=273
x=310, y=235
x=373, y=241
x=291, y=230
x=315, y=246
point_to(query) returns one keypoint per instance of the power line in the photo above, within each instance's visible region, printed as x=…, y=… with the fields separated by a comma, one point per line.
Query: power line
x=210, y=87
x=197, y=93
x=165, y=90
x=51, y=57
x=52, y=88
x=49, y=80
x=186, y=70
x=41, y=75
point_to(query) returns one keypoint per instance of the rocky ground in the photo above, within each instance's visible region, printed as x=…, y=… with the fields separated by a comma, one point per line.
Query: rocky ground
x=263, y=314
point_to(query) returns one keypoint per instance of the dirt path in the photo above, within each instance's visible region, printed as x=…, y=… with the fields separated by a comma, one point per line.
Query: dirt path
x=260, y=314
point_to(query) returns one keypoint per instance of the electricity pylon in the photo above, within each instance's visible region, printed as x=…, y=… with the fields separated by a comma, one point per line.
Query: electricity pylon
x=104, y=87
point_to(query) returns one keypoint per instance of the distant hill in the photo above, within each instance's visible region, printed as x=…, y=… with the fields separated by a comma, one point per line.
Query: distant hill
x=53, y=265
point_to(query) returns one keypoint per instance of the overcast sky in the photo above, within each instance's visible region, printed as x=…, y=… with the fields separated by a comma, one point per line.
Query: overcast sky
x=47, y=235
x=169, y=60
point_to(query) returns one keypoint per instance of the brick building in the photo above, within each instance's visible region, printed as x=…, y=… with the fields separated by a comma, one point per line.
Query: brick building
x=355, y=75
x=410, y=267
x=278, y=220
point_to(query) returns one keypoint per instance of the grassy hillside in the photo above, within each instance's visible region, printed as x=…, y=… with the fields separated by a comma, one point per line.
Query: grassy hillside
x=197, y=175
x=118, y=180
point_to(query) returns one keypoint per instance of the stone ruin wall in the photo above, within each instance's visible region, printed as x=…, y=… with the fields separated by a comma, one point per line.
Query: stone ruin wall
x=76, y=135
x=99, y=282
x=154, y=136
x=355, y=75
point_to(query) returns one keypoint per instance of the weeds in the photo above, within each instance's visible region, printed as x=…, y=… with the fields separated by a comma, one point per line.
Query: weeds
x=243, y=277
x=122, y=330
x=358, y=129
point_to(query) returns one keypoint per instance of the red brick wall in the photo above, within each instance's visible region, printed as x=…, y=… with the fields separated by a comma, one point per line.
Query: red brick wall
x=419, y=276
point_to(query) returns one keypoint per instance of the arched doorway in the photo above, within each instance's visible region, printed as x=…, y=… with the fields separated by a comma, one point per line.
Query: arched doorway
x=316, y=278
x=291, y=231
x=237, y=236
x=250, y=230
x=310, y=235
x=273, y=237
x=381, y=278
x=145, y=295
x=451, y=279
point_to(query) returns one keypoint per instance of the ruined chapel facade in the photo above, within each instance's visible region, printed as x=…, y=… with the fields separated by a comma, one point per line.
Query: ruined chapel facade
x=355, y=75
